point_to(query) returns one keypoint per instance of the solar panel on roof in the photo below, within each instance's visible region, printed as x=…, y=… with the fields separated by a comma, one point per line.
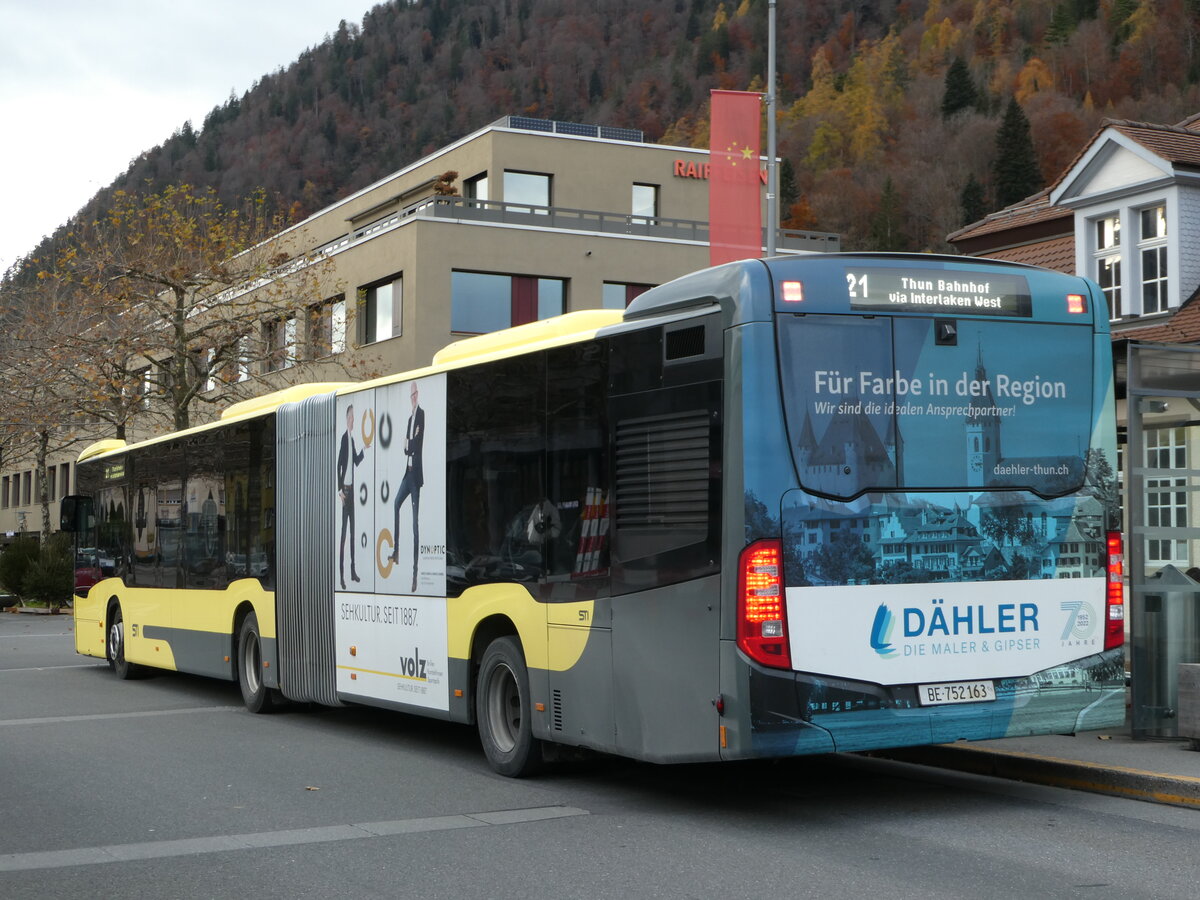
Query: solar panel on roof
x=528, y=124
x=620, y=134
x=576, y=128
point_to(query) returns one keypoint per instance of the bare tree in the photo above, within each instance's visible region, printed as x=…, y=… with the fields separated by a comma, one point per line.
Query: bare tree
x=175, y=296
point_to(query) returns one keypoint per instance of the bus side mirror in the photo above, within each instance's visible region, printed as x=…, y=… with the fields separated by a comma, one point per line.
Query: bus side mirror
x=75, y=513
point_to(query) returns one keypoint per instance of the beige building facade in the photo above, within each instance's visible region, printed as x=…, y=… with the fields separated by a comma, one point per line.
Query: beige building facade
x=519, y=221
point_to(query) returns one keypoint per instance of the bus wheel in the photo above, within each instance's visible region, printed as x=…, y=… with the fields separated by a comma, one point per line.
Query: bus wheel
x=257, y=696
x=121, y=667
x=502, y=710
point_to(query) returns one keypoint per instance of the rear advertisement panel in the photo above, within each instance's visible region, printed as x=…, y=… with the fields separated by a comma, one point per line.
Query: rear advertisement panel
x=391, y=543
x=961, y=534
x=914, y=633
x=920, y=587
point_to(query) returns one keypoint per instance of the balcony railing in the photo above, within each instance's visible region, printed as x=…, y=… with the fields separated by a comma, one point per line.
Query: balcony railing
x=561, y=218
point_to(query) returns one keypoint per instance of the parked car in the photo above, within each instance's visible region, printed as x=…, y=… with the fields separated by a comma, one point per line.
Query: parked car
x=88, y=569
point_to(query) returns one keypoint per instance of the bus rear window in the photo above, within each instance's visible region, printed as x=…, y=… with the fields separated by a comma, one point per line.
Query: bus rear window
x=877, y=403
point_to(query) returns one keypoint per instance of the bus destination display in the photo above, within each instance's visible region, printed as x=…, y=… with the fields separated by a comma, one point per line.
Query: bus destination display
x=938, y=291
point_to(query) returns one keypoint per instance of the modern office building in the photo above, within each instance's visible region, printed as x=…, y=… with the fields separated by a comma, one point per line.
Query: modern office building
x=522, y=220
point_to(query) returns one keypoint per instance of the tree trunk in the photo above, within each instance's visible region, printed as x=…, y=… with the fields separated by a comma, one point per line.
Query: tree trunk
x=43, y=450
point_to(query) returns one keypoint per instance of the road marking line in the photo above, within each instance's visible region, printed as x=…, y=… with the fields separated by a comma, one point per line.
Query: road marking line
x=86, y=856
x=52, y=668
x=91, y=717
x=51, y=634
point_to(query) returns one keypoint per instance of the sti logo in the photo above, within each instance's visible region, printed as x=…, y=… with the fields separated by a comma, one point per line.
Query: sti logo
x=881, y=632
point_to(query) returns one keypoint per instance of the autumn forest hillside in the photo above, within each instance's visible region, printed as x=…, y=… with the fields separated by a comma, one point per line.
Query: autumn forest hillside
x=889, y=112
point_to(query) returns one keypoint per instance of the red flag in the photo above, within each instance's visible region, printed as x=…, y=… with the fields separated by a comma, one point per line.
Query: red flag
x=734, y=192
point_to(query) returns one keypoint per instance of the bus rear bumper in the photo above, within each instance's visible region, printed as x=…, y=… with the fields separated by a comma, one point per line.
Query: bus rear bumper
x=798, y=714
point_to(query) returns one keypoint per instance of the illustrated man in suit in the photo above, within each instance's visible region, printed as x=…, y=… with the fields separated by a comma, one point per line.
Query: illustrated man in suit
x=348, y=458
x=414, y=477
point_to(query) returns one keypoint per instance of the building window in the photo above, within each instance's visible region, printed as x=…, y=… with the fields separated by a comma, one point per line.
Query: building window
x=142, y=387
x=271, y=337
x=26, y=488
x=618, y=295
x=527, y=187
x=64, y=472
x=4, y=492
x=289, y=342
x=279, y=339
x=476, y=188
x=204, y=368
x=482, y=302
x=327, y=328
x=644, y=203
x=1108, y=262
x=1152, y=250
x=380, y=307
x=51, y=484
x=1166, y=498
x=162, y=377
x=241, y=367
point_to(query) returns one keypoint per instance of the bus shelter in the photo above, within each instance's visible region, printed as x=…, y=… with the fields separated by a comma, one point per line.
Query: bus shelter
x=1162, y=508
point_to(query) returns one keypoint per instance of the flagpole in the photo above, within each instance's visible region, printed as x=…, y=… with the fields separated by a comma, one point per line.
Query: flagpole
x=772, y=164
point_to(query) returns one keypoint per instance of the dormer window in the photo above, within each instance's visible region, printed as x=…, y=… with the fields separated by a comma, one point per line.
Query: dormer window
x=1141, y=259
x=1152, y=254
x=1108, y=262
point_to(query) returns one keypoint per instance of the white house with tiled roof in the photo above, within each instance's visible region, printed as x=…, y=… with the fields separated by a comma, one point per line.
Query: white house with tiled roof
x=1135, y=195
x=1126, y=213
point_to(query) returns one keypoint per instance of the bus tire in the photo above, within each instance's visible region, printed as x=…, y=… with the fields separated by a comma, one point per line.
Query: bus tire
x=115, y=647
x=255, y=694
x=502, y=710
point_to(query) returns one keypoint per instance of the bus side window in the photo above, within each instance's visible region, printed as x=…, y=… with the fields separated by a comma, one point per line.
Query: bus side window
x=666, y=446
x=165, y=470
x=204, y=526
x=577, y=476
x=495, y=472
x=76, y=514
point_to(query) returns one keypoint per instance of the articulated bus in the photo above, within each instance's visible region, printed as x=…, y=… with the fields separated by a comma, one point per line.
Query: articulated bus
x=800, y=505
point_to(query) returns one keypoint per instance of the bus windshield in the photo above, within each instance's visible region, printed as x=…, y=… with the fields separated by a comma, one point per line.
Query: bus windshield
x=924, y=403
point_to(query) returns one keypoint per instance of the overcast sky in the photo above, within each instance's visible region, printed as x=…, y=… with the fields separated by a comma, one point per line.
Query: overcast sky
x=87, y=85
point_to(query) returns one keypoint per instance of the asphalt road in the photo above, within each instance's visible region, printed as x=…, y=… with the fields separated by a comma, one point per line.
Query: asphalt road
x=166, y=788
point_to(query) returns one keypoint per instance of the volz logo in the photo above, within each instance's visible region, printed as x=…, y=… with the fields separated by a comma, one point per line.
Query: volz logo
x=413, y=666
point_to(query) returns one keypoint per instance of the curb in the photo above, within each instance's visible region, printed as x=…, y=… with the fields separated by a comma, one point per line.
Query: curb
x=1118, y=781
x=37, y=611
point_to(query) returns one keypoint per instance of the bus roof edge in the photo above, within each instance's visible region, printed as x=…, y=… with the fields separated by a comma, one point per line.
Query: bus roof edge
x=105, y=446
x=582, y=323
x=293, y=394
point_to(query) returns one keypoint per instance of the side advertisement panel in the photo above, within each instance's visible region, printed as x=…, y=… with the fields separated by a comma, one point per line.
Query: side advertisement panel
x=390, y=488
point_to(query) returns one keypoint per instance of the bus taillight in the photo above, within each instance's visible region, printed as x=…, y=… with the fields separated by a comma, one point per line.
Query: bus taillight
x=1076, y=304
x=793, y=292
x=762, y=613
x=1114, y=620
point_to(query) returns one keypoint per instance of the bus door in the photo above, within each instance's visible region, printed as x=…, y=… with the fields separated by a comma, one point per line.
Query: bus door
x=666, y=419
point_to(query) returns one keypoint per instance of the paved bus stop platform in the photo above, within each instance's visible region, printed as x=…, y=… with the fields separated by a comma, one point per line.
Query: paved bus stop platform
x=1105, y=762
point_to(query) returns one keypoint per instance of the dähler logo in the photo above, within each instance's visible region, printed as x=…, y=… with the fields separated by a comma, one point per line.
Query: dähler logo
x=881, y=632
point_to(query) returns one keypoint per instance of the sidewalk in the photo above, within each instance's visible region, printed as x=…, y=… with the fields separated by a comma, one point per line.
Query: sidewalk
x=1104, y=762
